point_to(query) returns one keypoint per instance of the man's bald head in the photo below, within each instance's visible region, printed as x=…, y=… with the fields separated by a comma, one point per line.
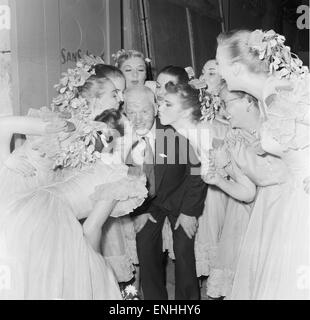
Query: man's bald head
x=141, y=95
x=140, y=108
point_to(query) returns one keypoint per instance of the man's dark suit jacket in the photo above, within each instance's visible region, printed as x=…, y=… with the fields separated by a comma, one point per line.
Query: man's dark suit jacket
x=178, y=190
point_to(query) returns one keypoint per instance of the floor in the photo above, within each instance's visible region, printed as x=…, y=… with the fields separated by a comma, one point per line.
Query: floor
x=170, y=282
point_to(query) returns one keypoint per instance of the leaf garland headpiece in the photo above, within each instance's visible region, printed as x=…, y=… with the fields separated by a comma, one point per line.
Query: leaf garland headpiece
x=210, y=102
x=79, y=150
x=270, y=47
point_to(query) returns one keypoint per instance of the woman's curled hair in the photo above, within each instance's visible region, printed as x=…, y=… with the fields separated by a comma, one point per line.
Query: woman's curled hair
x=189, y=97
x=175, y=71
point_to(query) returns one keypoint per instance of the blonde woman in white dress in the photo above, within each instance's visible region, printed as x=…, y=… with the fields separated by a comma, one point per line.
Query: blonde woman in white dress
x=275, y=258
x=49, y=254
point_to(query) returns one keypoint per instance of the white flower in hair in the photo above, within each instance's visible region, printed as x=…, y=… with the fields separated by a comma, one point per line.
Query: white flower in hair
x=270, y=47
x=116, y=56
x=79, y=150
x=210, y=102
x=191, y=73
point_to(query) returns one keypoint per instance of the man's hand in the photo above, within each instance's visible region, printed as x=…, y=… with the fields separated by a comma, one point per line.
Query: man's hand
x=189, y=224
x=141, y=220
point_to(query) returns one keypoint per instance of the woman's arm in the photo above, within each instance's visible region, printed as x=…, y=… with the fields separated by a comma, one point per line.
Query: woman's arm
x=241, y=188
x=9, y=126
x=25, y=125
x=93, y=224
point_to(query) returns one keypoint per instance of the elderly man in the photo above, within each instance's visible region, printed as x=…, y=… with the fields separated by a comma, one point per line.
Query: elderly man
x=173, y=193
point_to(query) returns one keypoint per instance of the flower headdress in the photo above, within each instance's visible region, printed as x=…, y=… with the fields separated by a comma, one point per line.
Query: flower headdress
x=68, y=100
x=80, y=151
x=210, y=102
x=210, y=105
x=190, y=72
x=271, y=48
x=116, y=56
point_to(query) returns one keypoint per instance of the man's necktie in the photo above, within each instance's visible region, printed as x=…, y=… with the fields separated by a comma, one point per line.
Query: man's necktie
x=148, y=166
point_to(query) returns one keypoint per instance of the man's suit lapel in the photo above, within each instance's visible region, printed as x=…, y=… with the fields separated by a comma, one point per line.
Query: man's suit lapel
x=159, y=168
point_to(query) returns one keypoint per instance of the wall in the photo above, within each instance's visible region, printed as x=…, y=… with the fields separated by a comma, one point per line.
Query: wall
x=170, y=34
x=5, y=59
x=48, y=36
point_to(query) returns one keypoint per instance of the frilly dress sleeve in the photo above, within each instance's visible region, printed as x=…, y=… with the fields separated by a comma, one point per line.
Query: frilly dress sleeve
x=262, y=170
x=287, y=108
x=129, y=191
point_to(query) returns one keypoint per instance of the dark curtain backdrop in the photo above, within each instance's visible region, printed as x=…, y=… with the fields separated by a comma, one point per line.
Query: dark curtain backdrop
x=169, y=24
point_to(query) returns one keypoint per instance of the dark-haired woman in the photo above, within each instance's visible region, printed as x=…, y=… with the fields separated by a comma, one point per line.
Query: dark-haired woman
x=174, y=74
x=210, y=223
x=237, y=159
x=180, y=108
x=212, y=220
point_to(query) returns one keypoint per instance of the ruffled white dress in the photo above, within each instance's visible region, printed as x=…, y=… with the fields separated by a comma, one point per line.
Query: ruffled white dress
x=266, y=172
x=42, y=245
x=275, y=258
x=212, y=219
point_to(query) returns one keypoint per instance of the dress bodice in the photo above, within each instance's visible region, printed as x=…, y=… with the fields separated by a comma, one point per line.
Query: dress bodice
x=211, y=137
x=298, y=164
x=286, y=132
x=43, y=165
x=240, y=147
x=77, y=187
